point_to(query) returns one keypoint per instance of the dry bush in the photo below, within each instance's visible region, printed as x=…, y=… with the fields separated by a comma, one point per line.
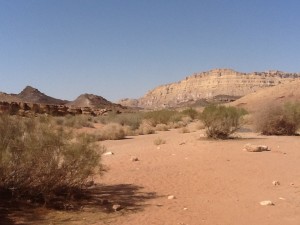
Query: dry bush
x=125, y=119
x=77, y=121
x=279, y=119
x=220, y=121
x=161, y=127
x=190, y=112
x=159, y=141
x=38, y=161
x=184, y=130
x=162, y=117
x=178, y=124
x=145, y=128
x=200, y=125
x=111, y=131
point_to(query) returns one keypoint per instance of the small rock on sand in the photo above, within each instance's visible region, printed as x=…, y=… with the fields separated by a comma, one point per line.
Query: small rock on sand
x=117, y=207
x=266, y=203
x=256, y=148
x=108, y=153
x=171, y=197
x=134, y=159
x=276, y=183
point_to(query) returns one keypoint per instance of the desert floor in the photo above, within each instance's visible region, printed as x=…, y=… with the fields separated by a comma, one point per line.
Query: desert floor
x=213, y=182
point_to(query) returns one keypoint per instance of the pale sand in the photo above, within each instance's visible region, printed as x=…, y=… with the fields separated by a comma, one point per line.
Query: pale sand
x=214, y=182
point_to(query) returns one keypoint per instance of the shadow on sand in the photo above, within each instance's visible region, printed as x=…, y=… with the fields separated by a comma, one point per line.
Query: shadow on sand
x=98, y=198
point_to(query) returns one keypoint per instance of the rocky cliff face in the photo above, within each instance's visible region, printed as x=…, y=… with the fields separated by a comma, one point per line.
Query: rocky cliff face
x=209, y=85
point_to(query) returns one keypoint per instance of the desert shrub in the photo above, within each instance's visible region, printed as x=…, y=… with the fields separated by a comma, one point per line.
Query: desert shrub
x=161, y=127
x=39, y=161
x=162, y=116
x=78, y=121
x=125, y=119
x=279, y=119
x=111, y=131
x=184, y=130
x=145, y=128
x=178, y=124
x=220, y=121
x=192, y=113
x=159, y=141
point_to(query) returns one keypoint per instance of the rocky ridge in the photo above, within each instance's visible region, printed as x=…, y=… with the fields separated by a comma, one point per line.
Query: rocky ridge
x=31, y=101
x=208, y=86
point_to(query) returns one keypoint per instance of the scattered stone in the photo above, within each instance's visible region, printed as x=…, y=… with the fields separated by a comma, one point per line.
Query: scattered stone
x=116, y=207
x=256, y=148
x=185, y=209
x=281, y=198
x=292, y=184
x=171, y=197
x=182, y=143
x=266, y=203
x=276, y=183
x=108, y=153
x=158, y=148
x=134, y=159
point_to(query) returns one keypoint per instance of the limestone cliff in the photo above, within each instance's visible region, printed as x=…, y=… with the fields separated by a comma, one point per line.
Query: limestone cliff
x=210, y=85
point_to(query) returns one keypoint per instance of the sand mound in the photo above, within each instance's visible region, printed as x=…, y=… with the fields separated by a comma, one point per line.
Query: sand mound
x=288, y=92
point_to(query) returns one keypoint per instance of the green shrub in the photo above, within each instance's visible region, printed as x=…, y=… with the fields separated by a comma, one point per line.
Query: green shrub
x=39, y=161
x=220, y=121
x=192, y=113
x=162, y=117
x=77, y=121
x=279, y=119
x=125, y=119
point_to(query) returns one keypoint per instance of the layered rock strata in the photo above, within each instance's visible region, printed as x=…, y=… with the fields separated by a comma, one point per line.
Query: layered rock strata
x=208, y=86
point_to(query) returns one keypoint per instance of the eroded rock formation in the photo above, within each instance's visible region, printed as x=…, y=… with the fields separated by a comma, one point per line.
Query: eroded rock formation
x=31, y=109
x=208, y=86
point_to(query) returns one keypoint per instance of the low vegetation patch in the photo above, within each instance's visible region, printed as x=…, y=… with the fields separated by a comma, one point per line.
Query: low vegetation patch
x=279, y=119
x=220, y=121
x=40, y=161
x=159, y=141
x=111, y=131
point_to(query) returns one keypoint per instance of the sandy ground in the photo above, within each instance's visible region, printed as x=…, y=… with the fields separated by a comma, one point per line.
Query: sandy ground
x=214, y=182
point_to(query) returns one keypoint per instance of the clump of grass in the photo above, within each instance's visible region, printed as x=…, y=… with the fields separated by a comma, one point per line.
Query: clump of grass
x=159, y=141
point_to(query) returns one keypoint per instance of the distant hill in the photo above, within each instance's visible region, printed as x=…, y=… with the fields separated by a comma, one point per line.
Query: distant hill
x=210, y=86
x=33, y=95
x=287, y=92
x=94, y=101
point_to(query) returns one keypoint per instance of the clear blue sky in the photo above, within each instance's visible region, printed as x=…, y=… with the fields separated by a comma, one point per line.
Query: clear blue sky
x=123, y=48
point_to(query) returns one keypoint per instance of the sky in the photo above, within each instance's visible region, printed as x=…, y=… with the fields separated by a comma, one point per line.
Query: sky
x=124, y=48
